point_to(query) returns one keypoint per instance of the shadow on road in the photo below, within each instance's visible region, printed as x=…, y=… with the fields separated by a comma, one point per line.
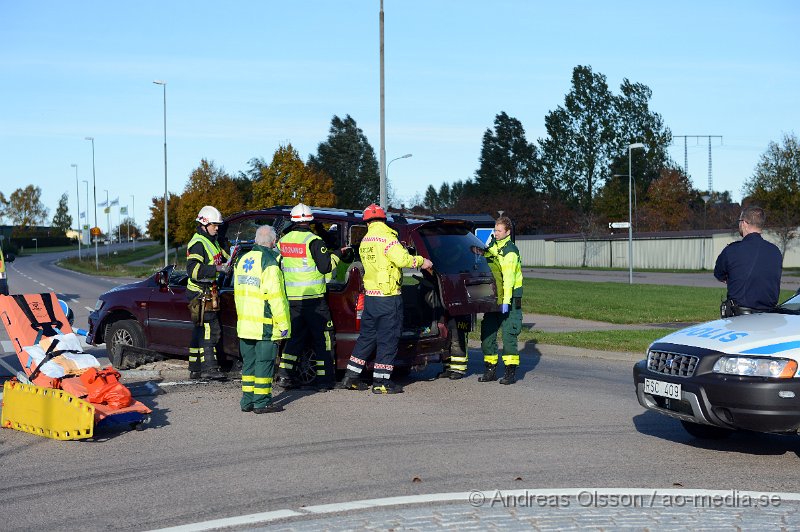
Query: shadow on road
x=745, y=442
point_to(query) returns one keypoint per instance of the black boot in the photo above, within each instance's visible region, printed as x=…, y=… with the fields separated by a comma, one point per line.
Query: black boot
x=285, y=382
x=511, y=375
x=212, y=373
x=352, y=383
x=444, y=374
x=489, y=373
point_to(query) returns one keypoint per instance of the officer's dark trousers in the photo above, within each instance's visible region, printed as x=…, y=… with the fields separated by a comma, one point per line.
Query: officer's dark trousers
x=203, y=347
x=258, y=363
x=311, y=318
x=381, y=325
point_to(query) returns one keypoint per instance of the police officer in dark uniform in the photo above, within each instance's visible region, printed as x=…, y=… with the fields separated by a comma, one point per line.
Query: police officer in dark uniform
x=752, y=266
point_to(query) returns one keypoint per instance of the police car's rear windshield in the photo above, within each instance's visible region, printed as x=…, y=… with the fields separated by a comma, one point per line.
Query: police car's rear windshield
x=449, y=247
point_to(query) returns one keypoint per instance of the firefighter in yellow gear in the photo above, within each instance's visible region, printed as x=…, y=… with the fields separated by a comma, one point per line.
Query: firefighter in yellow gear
x=383, y=258
x=307, y=261
x=262, y=320
x=204, y=259
x=504, y=261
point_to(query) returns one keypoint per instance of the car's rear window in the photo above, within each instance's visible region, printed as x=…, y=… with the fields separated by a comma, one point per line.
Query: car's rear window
x=450, y=249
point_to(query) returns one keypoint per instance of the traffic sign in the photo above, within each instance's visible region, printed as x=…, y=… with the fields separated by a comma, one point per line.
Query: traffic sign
x=95, y=231
x=619, y=225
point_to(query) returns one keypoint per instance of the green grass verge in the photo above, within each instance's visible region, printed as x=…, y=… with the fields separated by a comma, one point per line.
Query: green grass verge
x=623, y=303
x=115, y=264
x=635, y=341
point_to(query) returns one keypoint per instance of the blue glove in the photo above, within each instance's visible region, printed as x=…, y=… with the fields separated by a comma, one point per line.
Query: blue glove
x=504, y=308
x=284, y=333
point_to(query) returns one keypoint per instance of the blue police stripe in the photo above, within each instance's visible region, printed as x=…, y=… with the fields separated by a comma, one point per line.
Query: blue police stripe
x=774, y=348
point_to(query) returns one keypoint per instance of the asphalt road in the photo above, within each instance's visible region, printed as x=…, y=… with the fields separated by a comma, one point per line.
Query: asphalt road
x=570, y=422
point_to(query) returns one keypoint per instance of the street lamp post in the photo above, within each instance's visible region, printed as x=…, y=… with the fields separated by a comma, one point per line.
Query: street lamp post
x=94, y=193
x=36, y=242
x=78, y=197
x=108, y=226
x=631, y=147
x=166, y=248
x=705, y=198
x=133, y=218
x=406, y=156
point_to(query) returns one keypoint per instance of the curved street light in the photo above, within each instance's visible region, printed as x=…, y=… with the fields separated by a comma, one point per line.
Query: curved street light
x=631, y=147
x=166, y=246
x=78, y=197
x=406, y=156
x=94, y=192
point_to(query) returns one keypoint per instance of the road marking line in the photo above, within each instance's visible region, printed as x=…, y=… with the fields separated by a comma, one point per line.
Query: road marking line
x=74, y=300
x=90, y=309
x=465, y=497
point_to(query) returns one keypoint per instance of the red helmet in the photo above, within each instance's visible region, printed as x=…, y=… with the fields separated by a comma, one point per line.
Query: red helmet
x=374, y=212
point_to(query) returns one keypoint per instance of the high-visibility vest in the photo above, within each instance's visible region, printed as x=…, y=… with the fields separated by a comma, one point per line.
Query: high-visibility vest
x=213, y=256
x=300, y=273
x=383, y=257
x=506, y=266
x=2, y=265
x=261, y=306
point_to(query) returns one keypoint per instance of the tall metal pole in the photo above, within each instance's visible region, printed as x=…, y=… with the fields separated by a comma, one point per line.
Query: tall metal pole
x=630, y=211
x=383, y=200
x=166, y=218
x=86, y=182
x=108, y=227
x=133, y=217
x=94, y=192
x=78, y=196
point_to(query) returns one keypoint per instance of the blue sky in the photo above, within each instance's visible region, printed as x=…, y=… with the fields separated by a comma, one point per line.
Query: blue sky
x=244, y=77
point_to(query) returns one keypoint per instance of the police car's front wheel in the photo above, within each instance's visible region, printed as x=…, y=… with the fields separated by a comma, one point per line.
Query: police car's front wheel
x=706, y=432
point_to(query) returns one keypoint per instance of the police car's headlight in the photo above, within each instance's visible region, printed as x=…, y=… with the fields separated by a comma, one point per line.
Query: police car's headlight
x=756, y=367
x=99, y=305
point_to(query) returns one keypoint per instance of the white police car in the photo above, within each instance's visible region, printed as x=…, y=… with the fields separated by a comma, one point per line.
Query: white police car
x=737, y=373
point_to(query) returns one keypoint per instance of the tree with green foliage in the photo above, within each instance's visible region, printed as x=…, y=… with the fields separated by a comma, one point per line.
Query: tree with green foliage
x=288, y=181
x=207, y=185
x=62, y=220
x=25, y=208
x=127, y=228
x=637, y=123
x=3, y=205
x=508, y=162
x=581, y=137
x=775, y=187
x=348, y=158
x=155, y=225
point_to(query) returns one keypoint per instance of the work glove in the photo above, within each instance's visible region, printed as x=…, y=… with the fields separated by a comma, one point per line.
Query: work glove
x=284, y=333
x=504, y=308
x=347, y=254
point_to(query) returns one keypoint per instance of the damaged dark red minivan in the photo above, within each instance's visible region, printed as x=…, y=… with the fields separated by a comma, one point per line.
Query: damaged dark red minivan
x=140, y=321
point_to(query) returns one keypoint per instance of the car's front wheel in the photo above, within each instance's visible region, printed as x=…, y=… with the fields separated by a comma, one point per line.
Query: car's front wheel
x=121, y=334
x=706, y=432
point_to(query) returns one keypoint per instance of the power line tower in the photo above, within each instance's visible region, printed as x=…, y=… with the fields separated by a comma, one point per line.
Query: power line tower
x=686, y=154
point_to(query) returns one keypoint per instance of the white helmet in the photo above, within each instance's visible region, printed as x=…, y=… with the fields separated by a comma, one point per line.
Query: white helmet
x=301, y=213
x=209, y=215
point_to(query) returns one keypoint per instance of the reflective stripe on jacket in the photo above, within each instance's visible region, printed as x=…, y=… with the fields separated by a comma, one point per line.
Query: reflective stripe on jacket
x=212, y=255
x=384, y=257
x=261, y=305
x=506, y=265
x=303, y=280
